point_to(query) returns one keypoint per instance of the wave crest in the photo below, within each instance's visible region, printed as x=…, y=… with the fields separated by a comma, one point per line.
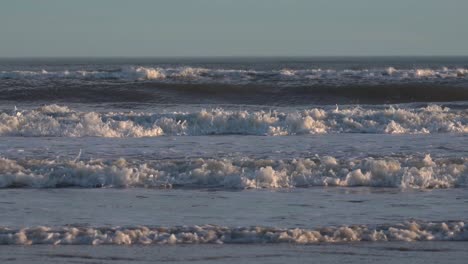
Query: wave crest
x=237, y=173
x=60, y=121
x=211, y=234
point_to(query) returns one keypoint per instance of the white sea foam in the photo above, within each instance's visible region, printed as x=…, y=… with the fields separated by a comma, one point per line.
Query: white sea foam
x=237, y=173
x=211, y=234
x=197, y=74
x=60, y=121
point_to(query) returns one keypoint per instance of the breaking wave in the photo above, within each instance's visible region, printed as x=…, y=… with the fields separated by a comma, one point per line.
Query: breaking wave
x=60, y=121
x=235, y=76
x=237, y=83
x=237, y=173
x=409, y=231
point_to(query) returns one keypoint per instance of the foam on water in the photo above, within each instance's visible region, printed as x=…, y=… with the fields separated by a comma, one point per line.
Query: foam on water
x=211, y=234
x=237, y=173
x=60, y=121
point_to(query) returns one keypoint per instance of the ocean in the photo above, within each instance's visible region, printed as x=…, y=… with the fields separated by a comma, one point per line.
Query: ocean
x=234, y=160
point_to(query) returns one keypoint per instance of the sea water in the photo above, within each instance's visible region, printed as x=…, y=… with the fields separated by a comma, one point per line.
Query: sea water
x=234, y=160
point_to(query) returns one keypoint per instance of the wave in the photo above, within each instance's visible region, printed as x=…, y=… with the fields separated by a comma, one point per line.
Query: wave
x=238, y=173
x=188, y=85
x=409, y=231
x=61, y=121
x=207, y=75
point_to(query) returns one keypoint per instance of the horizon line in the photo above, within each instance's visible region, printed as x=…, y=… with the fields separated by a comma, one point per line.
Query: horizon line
x=230, y=56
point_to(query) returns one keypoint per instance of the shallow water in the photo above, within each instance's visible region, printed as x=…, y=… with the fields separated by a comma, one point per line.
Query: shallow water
x=449, y=252
x=284, y=208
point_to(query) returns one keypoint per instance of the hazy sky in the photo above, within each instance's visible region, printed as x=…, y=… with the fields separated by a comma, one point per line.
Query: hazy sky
x=232, y=27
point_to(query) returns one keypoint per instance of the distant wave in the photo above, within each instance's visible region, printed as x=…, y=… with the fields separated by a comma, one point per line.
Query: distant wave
x=409, y=231
x=235, y=76
x=238, y=173
x=60, y=121
x=273, y=86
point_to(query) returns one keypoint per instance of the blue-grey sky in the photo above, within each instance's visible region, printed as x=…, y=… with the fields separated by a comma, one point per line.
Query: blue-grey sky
x=232, y=27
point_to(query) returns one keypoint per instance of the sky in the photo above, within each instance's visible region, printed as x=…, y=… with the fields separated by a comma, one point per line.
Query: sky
x=161, y=28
